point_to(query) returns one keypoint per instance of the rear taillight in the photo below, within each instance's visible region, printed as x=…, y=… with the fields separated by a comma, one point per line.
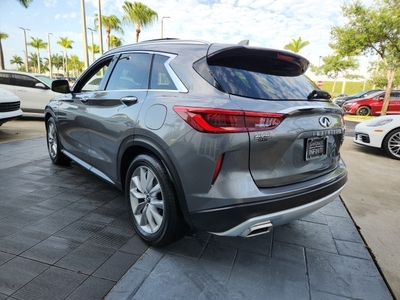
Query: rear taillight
x=212, y=120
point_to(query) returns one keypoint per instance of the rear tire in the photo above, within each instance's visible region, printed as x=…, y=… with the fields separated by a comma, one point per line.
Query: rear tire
x=152, y=204
x=391, y=144
x=53, y=144
x=363, y=111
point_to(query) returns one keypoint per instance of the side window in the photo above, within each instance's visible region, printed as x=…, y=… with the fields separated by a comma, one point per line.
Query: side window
x=131, y=72
x=394, y=96
x=5, y=78
x=160, y=79
x=93, y=80
x=25, y=81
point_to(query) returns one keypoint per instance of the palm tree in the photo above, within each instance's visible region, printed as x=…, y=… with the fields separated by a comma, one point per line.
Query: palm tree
x=38, y=44
x=3, y=36
x=66, y=44
x=139, y=15
x=17, y=60
x=94, y=49
x=296, y=45
x=25, y=3
x=32, y=61
x=109, y=22
x=57, y=61
x=76, y=65
x=115, y=41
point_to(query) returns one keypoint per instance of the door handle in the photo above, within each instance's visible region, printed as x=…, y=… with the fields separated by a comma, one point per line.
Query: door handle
x=129, y=100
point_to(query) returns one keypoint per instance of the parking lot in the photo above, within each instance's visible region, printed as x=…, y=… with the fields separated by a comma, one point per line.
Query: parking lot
x=64, y=227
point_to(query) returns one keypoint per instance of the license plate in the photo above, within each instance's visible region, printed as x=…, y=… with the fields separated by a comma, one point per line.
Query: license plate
x=315, y=147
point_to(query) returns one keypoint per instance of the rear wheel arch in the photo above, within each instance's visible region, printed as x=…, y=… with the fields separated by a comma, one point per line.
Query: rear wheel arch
x=133, y=148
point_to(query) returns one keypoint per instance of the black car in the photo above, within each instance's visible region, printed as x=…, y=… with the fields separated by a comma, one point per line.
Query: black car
x=340, y=100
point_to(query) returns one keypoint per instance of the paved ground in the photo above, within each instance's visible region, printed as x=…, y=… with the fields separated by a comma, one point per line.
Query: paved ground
x=64, y=235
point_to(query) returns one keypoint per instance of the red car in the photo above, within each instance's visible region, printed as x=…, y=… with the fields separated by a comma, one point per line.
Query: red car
x=372, y=105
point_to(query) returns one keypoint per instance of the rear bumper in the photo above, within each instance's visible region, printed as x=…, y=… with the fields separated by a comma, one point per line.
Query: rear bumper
x=237, y=220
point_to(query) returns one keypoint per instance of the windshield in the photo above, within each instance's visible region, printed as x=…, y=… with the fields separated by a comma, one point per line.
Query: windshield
x=359, y=94
x=45, y=79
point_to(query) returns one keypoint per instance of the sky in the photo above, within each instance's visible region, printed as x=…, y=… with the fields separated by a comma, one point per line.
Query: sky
x=265, y=23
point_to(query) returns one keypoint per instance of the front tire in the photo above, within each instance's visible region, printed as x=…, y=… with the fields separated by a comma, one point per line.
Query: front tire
x=391, y=144
x=363, y=111
x=53, y=144
x=152, y=204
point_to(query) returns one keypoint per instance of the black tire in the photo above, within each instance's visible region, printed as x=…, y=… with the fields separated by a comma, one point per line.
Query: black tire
x=53, y=144
x=152, y=202
x=363, y=111
x=391, y=144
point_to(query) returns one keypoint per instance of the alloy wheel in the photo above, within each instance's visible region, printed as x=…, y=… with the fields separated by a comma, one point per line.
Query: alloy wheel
x=147, y=201
x=394, y=144
x=52, y=139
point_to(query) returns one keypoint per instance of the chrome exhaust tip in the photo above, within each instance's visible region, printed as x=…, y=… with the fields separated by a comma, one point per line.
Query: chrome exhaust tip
x=257, y=229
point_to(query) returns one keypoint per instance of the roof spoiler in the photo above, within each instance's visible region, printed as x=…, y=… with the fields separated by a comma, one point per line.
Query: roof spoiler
x=244, y=43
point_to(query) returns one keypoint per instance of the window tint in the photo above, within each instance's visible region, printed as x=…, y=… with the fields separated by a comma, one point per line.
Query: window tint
x=262, y=85
x=160, y=79
x=394, y=95
x=25, y=81
x=131, y=72
x=5, y=78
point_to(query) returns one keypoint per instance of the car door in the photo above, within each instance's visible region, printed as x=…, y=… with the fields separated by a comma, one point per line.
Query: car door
x=34, y=94
x=112, y=113
x=72, y=113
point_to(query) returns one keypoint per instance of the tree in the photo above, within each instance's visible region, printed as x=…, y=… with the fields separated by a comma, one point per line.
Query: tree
x=33, y=61
x=109, y=22
x=25, y=3
x=17, y=60
x=38, y=44
x=139, y=15
x=75, y=64
x=57, y=61
x=66, y=44
x=296, y=45
x=3, y=36
x=372, y=30
x=115, y=41
x=94, y=49
x=335, y=65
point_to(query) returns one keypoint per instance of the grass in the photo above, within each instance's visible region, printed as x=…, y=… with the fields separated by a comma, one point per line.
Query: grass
x=351, y=87
x=354, y=118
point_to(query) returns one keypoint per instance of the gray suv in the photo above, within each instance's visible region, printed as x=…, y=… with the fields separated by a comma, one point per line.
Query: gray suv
x=225, y=138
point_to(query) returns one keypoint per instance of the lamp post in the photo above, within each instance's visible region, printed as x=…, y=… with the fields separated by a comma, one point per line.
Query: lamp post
x=99, y=28
x=85, y=49
x=26, y=49
x=50, y=64
x=162, y=25
x=91, y=31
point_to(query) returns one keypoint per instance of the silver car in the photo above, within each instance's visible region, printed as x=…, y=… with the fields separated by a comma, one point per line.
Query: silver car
x=34, y=90
x=229, y=139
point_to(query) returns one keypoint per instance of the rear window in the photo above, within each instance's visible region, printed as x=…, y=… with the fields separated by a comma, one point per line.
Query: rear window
x=257, y=73
x=262, y=85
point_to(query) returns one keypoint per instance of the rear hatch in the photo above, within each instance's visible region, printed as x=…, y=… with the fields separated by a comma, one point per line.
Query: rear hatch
x=302, y=131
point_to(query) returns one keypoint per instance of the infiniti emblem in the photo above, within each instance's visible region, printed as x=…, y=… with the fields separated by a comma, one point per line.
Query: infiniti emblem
x=324, y=121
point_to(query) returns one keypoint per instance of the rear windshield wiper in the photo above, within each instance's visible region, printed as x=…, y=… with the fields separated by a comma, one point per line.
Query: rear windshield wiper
x=318, y=95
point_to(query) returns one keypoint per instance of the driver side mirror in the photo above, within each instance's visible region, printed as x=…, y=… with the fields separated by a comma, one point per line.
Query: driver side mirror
x=60, y=86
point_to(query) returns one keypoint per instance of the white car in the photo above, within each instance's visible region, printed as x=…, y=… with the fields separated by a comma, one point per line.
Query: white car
x=381, y=132
x=34, y=90
x=9, y=106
